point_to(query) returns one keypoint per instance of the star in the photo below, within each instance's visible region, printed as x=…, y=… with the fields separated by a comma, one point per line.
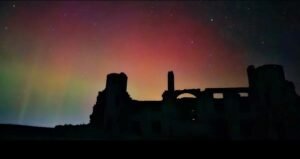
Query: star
x=211, y=19
x=14, y=5
x=262, y=42
x=6, y=28
x=192, y=41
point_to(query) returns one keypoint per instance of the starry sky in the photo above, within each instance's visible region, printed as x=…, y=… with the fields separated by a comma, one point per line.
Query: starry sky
x=55, y=55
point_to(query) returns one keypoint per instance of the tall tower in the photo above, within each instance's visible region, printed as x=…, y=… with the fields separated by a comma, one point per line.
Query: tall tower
x=171, y=81
x=269, y=96
x=112, y=102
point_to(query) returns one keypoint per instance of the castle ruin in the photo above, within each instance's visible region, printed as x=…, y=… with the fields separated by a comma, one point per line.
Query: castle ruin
x=268, y=109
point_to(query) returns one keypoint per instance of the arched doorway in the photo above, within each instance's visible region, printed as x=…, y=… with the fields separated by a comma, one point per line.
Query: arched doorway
x=186, y=105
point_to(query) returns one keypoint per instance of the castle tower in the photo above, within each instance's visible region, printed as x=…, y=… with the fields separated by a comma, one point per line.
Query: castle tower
x=116, y=96
x=171, y=81
x=267, y=84
x=111, y=102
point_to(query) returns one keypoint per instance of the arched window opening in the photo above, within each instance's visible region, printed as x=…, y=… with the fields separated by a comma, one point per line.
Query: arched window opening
x=186, y=95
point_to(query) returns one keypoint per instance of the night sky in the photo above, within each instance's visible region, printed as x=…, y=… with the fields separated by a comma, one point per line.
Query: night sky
x=54, y=56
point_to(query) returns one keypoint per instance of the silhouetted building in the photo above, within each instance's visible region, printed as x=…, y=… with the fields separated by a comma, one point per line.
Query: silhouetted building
x=171, y=84
x=112, y=103
x=267, y=109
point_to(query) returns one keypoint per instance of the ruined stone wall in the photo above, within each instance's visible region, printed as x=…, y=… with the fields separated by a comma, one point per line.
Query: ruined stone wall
x=270, y=109
x=274, y=100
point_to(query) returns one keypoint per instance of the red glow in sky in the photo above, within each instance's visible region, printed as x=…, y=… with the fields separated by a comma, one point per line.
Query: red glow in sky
x=67, y=49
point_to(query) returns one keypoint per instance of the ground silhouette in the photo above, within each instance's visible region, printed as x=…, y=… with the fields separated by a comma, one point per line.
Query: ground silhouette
x=268, y=109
